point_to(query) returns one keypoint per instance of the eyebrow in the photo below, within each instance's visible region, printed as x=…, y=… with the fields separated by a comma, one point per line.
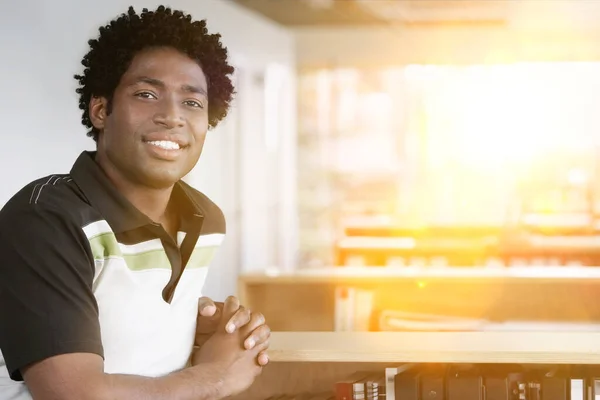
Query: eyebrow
x=160, y=84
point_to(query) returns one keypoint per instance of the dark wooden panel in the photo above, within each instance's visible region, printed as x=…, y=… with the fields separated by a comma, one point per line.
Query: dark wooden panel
x=299, y=12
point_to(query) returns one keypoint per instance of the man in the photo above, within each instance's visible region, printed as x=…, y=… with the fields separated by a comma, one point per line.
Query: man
x=102, y=269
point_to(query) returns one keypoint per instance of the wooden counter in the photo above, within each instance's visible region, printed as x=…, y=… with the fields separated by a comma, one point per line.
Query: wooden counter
x=303, y=362
x=306, y=355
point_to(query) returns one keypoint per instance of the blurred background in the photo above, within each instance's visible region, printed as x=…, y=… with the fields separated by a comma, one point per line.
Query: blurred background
x=444, y=150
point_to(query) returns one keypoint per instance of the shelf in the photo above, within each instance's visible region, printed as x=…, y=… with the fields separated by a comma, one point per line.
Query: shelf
x=445, y=347
x=367, y=274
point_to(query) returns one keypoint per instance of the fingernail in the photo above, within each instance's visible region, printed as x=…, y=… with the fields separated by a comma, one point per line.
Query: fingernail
x=250, y=343
x=208, y=311
x=230, y=328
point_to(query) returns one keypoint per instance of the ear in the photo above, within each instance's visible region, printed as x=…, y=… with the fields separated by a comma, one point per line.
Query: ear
x=98, y=111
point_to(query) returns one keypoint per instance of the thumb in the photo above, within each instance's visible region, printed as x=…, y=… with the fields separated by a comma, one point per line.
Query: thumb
x=206, y=307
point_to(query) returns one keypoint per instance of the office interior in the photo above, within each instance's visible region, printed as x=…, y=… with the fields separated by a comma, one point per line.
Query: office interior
x=370, y=141
x=387, y=165
x=387, y=168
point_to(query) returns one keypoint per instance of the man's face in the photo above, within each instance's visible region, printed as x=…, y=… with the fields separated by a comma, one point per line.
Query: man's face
x=156, y=129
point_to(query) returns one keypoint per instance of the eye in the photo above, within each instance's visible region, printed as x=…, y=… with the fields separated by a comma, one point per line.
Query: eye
x=145, y=95
x=194, y=103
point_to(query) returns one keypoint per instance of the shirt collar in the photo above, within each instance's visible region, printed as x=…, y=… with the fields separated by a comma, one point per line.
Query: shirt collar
x=120, y=214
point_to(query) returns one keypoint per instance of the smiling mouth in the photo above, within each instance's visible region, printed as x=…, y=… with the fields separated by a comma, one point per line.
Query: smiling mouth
x=166, y=144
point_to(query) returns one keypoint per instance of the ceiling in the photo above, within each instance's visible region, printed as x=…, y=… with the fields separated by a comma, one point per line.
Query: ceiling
x=297, y=13
x=407, y=13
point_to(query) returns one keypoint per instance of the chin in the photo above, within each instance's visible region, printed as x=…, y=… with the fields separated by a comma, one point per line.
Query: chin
x=160, y=174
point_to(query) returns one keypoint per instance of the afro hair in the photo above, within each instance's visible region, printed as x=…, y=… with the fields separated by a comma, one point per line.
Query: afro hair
x=111, y=54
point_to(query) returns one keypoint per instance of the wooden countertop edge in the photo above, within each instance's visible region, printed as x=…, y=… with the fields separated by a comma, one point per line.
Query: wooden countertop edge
x=457, y=347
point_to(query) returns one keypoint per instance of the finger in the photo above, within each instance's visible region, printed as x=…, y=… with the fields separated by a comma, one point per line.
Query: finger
x=201, y=338
x=230, y=306
x=241, y=317
x=258, y=336
x=256, y=320
x=206, y=307
x=263, y=358
x=208, y=325
x=260, y=349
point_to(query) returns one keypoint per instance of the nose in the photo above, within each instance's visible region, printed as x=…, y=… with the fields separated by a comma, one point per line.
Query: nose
x=168, y=114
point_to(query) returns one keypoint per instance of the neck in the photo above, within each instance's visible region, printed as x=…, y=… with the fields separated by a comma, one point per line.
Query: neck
x=153, y=202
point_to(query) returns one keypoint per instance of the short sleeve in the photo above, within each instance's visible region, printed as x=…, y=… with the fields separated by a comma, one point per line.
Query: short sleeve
x=47, y=305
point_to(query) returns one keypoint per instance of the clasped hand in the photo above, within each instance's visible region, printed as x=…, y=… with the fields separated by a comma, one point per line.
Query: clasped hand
x=209, y=318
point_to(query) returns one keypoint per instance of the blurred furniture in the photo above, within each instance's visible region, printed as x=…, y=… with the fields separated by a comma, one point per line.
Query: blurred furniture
x=309, y=300
x=537, y=240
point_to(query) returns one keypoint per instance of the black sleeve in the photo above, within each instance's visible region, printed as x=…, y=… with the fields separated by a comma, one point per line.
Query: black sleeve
x=47, y=306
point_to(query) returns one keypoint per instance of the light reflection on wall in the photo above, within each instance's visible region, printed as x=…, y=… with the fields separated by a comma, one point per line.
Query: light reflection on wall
x=452, y=145
x=488, y=129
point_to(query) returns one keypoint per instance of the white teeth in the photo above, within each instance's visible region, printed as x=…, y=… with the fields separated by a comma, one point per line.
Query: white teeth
x=165, y=144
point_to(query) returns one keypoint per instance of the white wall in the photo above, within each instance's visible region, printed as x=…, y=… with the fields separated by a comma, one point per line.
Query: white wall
x=41, y=48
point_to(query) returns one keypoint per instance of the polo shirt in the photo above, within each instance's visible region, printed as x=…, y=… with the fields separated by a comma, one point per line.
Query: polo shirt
x=83, y=270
